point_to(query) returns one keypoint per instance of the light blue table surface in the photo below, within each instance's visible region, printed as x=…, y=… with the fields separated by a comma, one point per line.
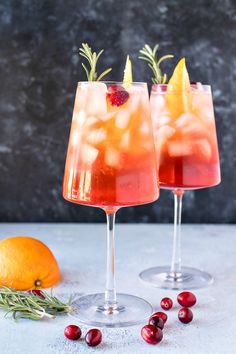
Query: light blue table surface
x=80, y=250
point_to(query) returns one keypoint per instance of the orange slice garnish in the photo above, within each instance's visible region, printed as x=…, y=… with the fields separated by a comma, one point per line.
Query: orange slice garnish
x=179, y=91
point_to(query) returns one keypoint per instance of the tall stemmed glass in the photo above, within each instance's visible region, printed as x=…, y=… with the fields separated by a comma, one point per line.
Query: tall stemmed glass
x=111, y=164
x=188, y=158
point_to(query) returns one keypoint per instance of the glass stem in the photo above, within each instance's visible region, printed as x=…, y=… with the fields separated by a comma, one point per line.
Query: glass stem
x=176, y=255
x=110, y=293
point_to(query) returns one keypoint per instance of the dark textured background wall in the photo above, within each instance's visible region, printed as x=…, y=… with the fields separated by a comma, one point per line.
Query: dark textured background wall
x=39, y=69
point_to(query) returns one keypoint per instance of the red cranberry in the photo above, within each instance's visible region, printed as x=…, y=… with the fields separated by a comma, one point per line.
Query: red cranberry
x=37, y=292
x=93, y=337
x=159, y=88
x=162, y=88
x=185, y=315
x=151, y=334
x=162, y=315
x=72, y=332
x=154, y=87
x=186, y=299
x=156, y=321
x=117, y=95
x=166, y=303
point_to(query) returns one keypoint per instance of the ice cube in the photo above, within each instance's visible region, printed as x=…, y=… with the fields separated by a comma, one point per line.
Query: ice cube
x=90, y=121
x=125, y=140
x=96, y=98
x=207, y=114
x=158, y=105
x=157, y=102
x=203, y=149
x=145, y=128
x=200, y=99
x=89, y=154
x=164, y=133
x=75, y=137
x=202, y=105
x=107, y=116
x=76, y=128
x=96, y=136
x=122, y=119
x=185, y=119
x=112, y=157
x=81, y=97
x=194, y=131
x=79, y=117
x=180, y=148
x=163, y=120
x=134, y=102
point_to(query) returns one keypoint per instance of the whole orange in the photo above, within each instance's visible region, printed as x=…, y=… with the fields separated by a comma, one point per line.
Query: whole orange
x=27, y=263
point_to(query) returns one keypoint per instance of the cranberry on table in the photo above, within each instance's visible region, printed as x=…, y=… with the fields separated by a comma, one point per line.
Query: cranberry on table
x=166, y=303
x=93, y=337
x=185, y=315
x=72, y=332
x=156, y=321
x=186, y=299
x=151, y=334
x=37, y=292
x=162, y=315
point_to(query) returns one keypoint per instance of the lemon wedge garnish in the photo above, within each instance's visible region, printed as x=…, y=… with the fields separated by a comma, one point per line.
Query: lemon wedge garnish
x=128, y=78
x=179, y=91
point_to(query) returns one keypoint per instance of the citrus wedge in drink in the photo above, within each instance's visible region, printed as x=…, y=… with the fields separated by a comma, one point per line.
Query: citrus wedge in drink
x=128, y=77
x=179, y=91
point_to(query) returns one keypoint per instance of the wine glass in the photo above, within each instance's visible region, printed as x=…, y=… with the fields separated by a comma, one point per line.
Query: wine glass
x=111, y=164
x=187, y=154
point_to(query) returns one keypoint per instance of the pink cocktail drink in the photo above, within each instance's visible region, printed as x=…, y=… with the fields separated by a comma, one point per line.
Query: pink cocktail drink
x=186, y=143
x=111, y=152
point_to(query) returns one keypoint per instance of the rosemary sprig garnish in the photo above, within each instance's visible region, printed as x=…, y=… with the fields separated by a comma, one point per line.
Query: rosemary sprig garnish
x=150, y=55
x=92, y=58
x=26, y=305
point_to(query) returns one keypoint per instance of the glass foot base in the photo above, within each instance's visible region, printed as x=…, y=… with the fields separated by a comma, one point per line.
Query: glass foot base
x=130, y=310
x=189, y=278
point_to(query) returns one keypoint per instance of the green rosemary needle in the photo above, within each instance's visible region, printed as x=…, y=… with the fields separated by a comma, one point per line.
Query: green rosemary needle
x=23, y=304
x=150, y=55
x=92, y=58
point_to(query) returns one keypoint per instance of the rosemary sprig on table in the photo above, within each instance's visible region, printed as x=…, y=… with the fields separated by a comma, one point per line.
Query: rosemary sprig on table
x=150, y=55
x=32, y=306
x=92, y=58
